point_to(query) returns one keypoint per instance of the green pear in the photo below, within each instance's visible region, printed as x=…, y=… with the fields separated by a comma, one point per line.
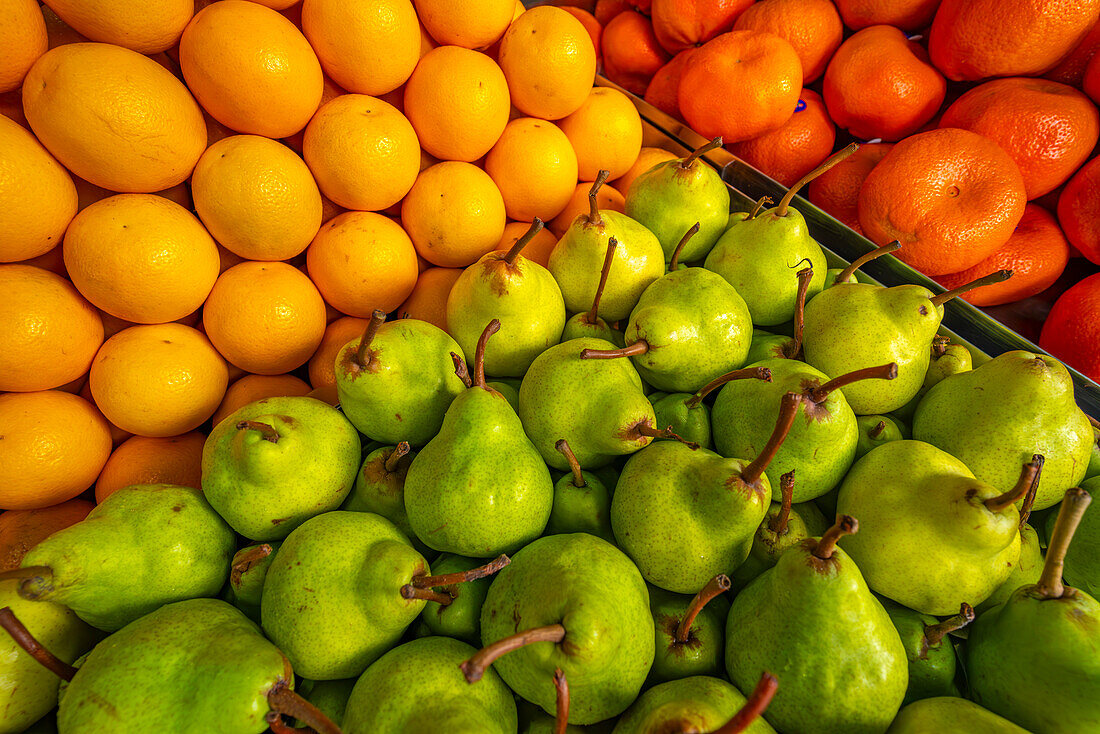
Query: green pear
x=946, y=359
x=813, y=618
x=454, y=595
x=479, y=488
x=1033, y=659
x=1029, y=567
x=875, y=430
x=397, y=381
x=275, y=463
x=929, y=650
x=685, y=516
x=1083, y=557
x=765, y=346
x=575, y=603
x=589, y=323
x=576, y=260
x=597, y=405
x=582, y=502
x=932, y=536
x=949, y=715
x=522, y=294
x=1094, y=457
x=247, y=574
x=140, y=548
x=380, y=485
x=685, y=415
x=332, y=598
x=690, y=631
x=507, y=390
x=1014, y=405
x=699, y=704
x=330, y=696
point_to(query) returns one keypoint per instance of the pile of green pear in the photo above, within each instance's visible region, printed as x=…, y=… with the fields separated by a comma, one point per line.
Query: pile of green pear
x=684, y=479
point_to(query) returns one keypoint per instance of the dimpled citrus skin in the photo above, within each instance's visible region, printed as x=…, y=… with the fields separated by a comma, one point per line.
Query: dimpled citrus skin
x=145, y=27
x=23, y=38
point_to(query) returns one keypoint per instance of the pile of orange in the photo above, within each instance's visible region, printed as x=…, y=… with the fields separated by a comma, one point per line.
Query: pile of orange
x=200, y=203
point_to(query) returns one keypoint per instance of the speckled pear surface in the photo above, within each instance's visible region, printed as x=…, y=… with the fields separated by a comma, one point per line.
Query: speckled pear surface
x=946, y=715
x=703, y=652
x=699, y=703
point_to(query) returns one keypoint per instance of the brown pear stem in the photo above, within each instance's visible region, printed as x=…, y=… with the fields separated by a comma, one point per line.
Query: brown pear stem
x=760, y=203
x=675, y=261
x=701, y=151
x=376, y=320
x=461, y=577
x=475, y=667
x=792, y=348
x=243, y=562
x=408, y=591
x=644, y=429
x=1029, y=498
x=512, y=254
x=876, y=430
x=749, y=373
x=844, y=525
x=999, y=276
x=1095, y=423
x=460, y=370
x=787, y=410
x=593, y=207
x=561, y=702
x=285, y=702
x=574, y=466
x=882, y=372
x=939, y=346
x=934, y=633
x=778, y=524
x=266, y=430
x=276, y=725
x=1028, y=476
x=479, y=354
x=715, y=587
x=592, y=317
x=26, y=572
x=754, y=707
x=781, y=210
x=1074, y=504
x=401, y=449
x=636, y=349
x=865, y=258
x=22, y=637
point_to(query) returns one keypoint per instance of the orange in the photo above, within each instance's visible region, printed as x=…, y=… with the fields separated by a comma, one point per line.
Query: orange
x=1071, y=69
x=605, y=10
x=141, y=26
x=880, y=85
x=908, y=15
x=158, y=379
x=143, y=460
x=141, y=258
x=322, y=365
x=952, y=198
x=457, y=101
x=114, y=117
x=256, y=197
x=21, y=530
x=684, y=24
x=1072, y=331
x=1048, y=128
x=631, y=52
x=541, y=245
x=549, y=61
x=466, y=24
x=534, y=166
x=1091, y=81
x=366, y=46
x=330, y=90
x=1036, y=253
x=608, y=198
x=792, y=151
x=363, y=153
x=37, y=196
x=428, y=301
x=266, y=318
x=664, y=88
x=1079, y=210
x=251, y=69
x=647, y=159
x=975, y=39
x=837, y=190
x=249, y=389
x=595, y=30
x=362, y=261
x=54, y=446
x=454, y=215
x=49, y=332
x=813, y=27
x=740, y=85
x=606, y=133
x=23, y=38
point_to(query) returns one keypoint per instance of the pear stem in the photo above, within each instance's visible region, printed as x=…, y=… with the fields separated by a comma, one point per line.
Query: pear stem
x=787, y=409
x=999, y=276
x=593, y=207
x=362, y=358
x=243, y=562
x=1029, y=498
x=636, y=349
x=266, y=430
x=22, y=637
x=754, y=707
x=401, y=449
x=285, y=702
x=460, y=370
x=25, y=573
x=865, y=258
x=1050, y=584
x=1029, y=474
x=934, y=633
x=792, y=348
x=644, y=429
x=779, y=523
x=512, y=254
x=461, y=577
x=760, y=203
x=561, y=708
x=1095, y=423
x=574, y=466
x=876, y=430
x=757, y=373
x=701, y=151
x=844, y=525
x=408, y=591
x=675, y=261
x=715, y=587
x=939, y=346
x=781, y=210
x=882, y=372
x=592, y=317
x=276, y=725
x=479, y=354
x=475, y=667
